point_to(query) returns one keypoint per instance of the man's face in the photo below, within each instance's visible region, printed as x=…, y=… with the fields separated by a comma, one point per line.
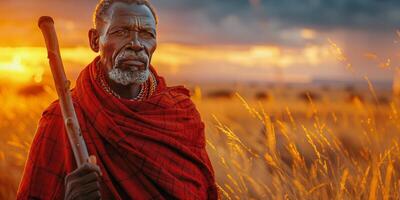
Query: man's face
x=127, y=42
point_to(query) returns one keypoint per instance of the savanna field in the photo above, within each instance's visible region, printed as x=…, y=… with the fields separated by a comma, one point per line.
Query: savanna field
x=266, y=141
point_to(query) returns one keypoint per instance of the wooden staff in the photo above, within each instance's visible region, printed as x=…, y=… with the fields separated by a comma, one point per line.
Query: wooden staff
x=46, y=24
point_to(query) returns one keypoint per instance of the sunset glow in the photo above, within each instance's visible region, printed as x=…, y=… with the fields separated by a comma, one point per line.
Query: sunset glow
x=21, y=64
x=249, y=56
x=28, y=64
x=200, y=38
x=24, y=64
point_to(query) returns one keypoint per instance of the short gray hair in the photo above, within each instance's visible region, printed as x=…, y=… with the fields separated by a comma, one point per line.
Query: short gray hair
x=104, y=5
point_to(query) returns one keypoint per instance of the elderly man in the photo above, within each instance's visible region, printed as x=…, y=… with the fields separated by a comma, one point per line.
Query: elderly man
x=148, y=138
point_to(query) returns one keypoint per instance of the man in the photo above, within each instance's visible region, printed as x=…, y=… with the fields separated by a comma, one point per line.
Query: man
x=147, y=138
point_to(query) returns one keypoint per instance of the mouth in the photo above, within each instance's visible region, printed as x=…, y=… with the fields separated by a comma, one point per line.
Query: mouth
x=134, y=64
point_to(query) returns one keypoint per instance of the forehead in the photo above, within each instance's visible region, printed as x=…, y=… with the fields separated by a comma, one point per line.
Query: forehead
x=124, y=12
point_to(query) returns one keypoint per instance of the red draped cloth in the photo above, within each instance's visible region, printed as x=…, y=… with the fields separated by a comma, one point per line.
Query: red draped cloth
x=149, y=149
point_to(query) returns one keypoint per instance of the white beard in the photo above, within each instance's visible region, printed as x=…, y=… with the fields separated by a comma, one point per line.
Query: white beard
x=126, y=77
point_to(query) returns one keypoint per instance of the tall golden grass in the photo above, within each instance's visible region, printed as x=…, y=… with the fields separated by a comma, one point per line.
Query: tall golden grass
x=304, y=150
x=281, y=147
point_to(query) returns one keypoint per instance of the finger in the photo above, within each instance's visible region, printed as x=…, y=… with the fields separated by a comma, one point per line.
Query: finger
x=87, y=179
x=92, y=159
x=93, y=176
x=85, y=169
x=88, y=188
x=81, y=172
x=95, y=195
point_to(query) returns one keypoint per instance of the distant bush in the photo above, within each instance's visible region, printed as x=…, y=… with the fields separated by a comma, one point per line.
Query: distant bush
x=31, y=90
x=349, y=88
x=382, y=100
x=305, y=95
x=224, y=94
x=262, y=96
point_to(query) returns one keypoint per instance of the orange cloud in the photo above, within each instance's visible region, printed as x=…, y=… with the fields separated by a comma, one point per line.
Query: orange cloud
x=24, y=64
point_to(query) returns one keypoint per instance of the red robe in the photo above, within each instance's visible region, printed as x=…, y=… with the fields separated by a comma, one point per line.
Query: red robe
x=150, y=149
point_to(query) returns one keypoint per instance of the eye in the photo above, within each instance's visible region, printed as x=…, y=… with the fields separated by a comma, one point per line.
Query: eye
x=121, y=32
x=146, y=35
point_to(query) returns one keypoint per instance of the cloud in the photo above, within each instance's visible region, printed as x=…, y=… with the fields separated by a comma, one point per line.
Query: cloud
x=357, y=25
x=352, y=14
x=272, y=21
x=225, y=21
x=315, y=13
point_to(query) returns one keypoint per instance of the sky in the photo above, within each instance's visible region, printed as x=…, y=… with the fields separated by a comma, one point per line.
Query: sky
x=256, y=39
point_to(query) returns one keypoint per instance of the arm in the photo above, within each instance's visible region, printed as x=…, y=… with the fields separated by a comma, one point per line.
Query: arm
x=44, y=172
x=48, y=171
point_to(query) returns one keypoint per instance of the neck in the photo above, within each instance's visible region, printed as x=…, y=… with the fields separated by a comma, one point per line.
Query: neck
x=130, y=91
x=125, y=91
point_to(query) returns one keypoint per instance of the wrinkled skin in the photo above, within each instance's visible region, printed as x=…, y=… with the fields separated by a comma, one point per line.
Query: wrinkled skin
x=126, y=40
x=83, y=183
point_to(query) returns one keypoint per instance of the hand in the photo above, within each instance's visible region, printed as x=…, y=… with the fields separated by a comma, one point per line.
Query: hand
x=84, y=182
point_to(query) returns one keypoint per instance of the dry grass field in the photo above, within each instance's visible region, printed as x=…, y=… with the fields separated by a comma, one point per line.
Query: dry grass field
x=265, y=142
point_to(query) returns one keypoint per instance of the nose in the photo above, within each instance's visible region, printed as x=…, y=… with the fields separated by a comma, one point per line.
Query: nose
x=134, y=43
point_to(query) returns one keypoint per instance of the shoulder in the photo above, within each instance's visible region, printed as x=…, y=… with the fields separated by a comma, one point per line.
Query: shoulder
x=45, y=165
x=54, y=109
x=51, y=122
x=180, y=97
x=183, y=102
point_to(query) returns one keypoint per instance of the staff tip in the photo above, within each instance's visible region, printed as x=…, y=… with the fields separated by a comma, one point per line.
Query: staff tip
x=46, y=19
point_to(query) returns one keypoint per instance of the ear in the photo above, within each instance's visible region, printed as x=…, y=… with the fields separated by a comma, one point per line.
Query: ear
x=94, y=37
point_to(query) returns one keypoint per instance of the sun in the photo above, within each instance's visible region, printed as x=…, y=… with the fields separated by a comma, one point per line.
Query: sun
x=15, y=70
